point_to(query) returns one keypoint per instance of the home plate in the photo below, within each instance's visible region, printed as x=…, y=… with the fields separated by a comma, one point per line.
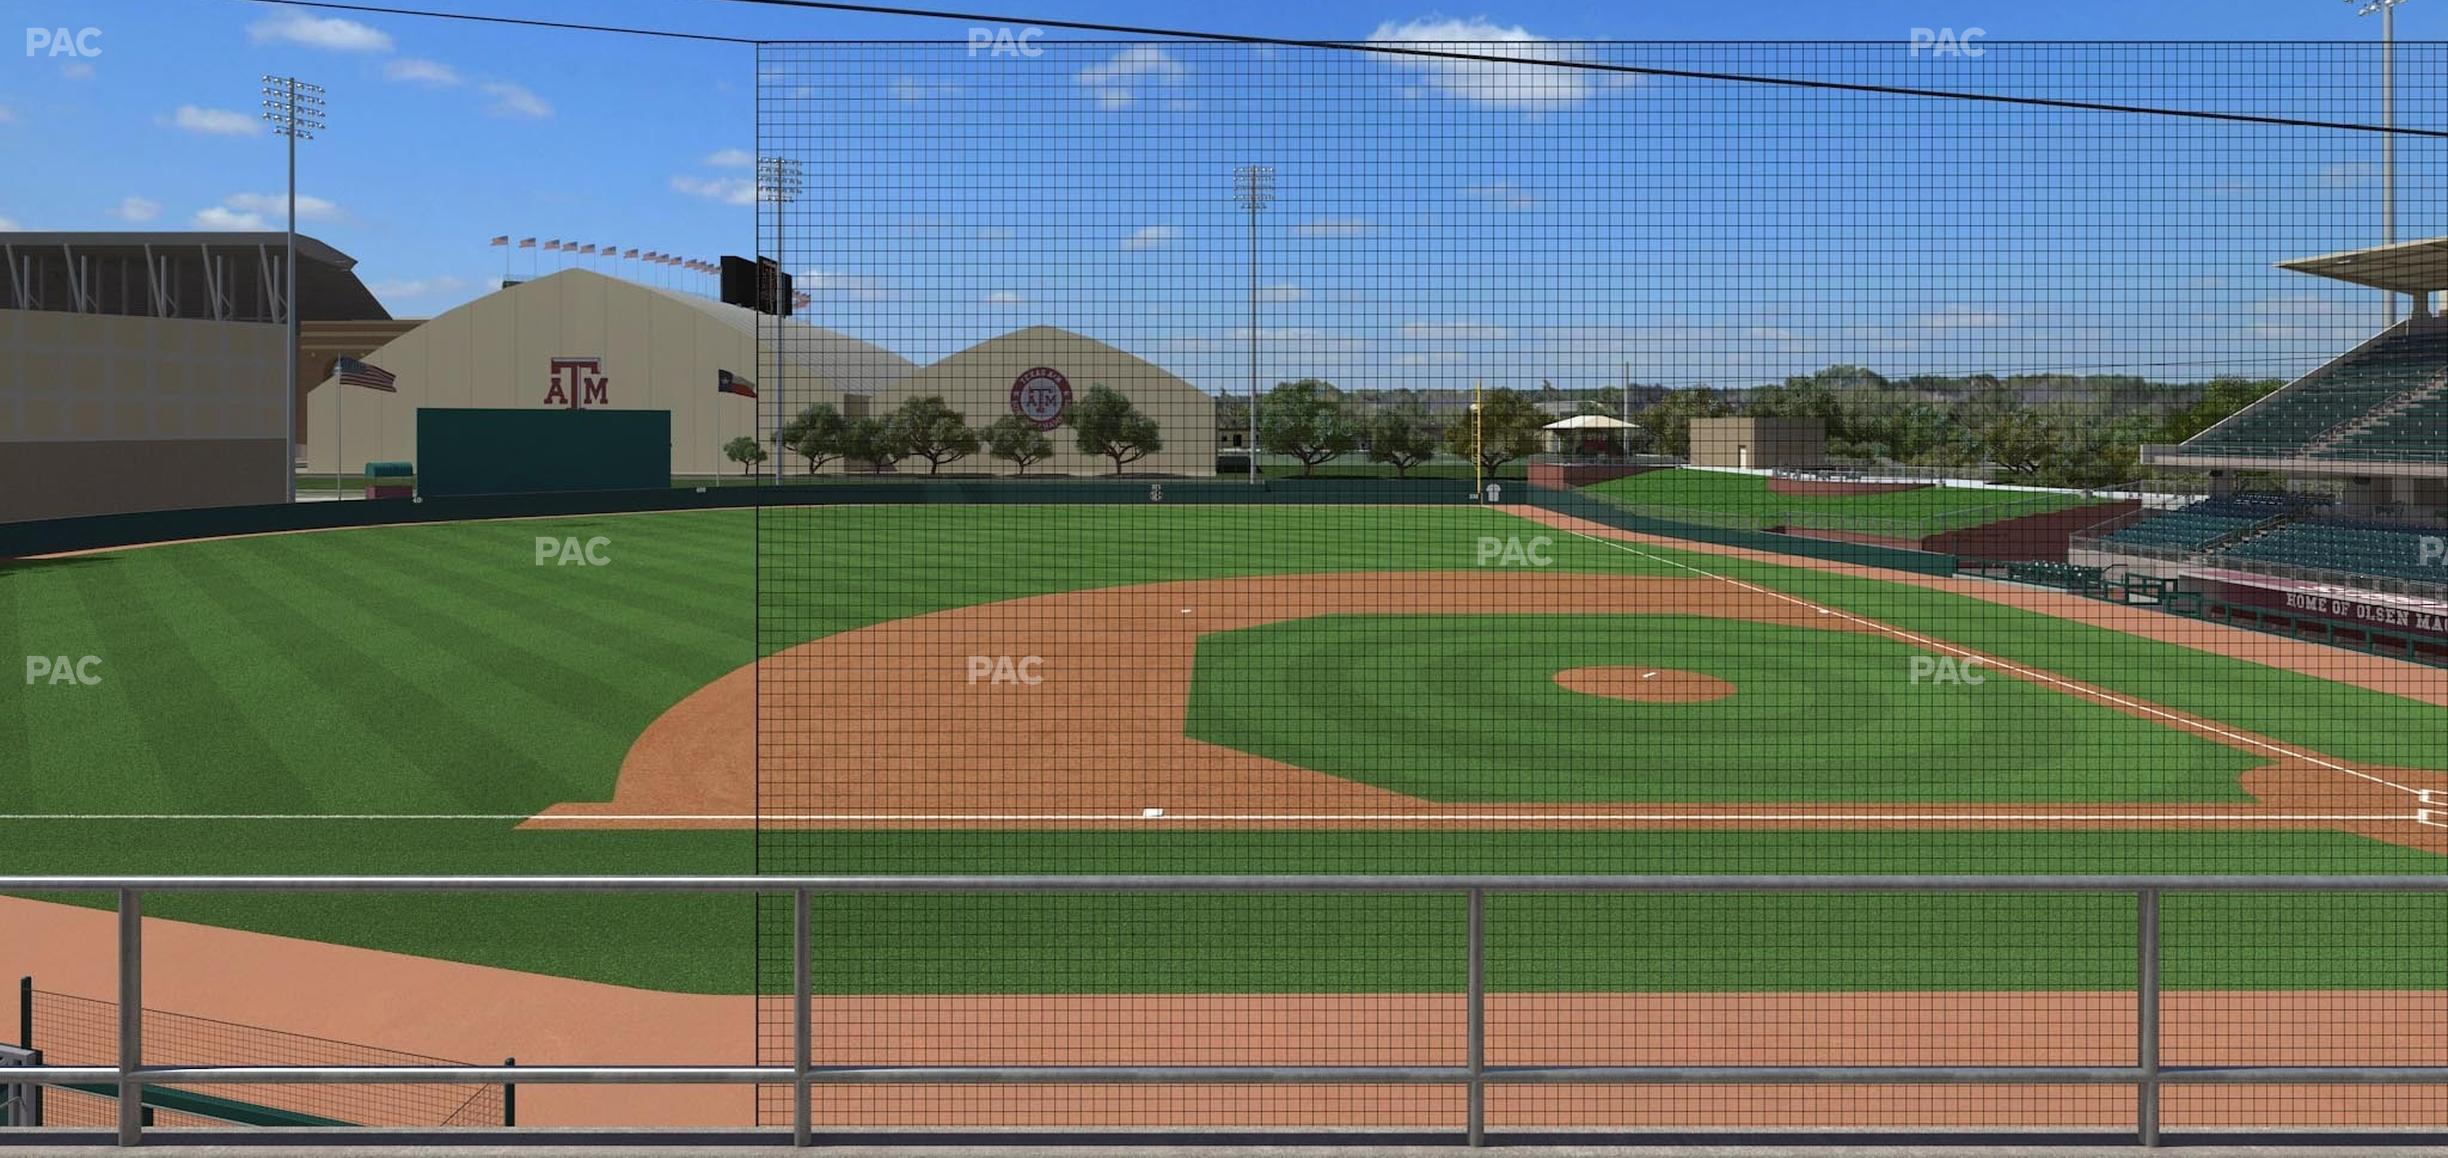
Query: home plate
x=1150, y=813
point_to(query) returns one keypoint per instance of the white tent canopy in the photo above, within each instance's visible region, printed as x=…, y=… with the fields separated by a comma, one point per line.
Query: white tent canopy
x=1591, y=422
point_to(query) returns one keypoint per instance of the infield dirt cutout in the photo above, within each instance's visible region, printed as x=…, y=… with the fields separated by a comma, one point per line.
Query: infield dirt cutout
x=887, y=731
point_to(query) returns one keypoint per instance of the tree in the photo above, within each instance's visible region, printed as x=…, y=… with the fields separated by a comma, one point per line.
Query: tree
x=1507, y=427
x=1017, y=440
x=744, y=451
x=1669, y=419
x=816, y=434
x=927, y=428
x=872, y=441
x=1107, y=424
x=1401, y=436
x=1306, y=420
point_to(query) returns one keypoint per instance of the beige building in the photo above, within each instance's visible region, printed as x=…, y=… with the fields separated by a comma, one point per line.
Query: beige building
x=1758, y=443
x=1041, y=372
x=578, y=337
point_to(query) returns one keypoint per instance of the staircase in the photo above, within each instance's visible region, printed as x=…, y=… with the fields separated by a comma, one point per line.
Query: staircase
x=2404, y=401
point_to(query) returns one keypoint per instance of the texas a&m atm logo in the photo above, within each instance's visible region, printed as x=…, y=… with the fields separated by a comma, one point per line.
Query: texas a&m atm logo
x=578, y=383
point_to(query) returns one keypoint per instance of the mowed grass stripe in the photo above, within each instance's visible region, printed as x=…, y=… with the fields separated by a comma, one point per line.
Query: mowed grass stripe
x=614, y=617
x=438, y=708
x=172, y=685
x=2342, y=720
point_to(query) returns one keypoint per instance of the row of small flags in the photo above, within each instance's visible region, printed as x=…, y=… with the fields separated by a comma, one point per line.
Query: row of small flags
x=590, y=249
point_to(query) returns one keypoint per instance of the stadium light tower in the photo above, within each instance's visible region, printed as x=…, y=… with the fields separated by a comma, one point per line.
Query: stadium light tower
x=780, y=181
x=295, y=110
x=2388, y=121
x=1254, y=188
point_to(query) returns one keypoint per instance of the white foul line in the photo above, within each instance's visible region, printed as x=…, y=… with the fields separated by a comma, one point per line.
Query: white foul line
x=2008, y=665
x=2240, y=818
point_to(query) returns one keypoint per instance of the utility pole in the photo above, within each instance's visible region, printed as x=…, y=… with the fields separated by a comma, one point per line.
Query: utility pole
x=779, y=181
x=2388, y=123
x=294, y=109
x=1254, y=188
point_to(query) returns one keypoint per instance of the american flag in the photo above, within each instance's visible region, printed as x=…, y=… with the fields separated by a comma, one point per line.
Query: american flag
x=504, y=239
x=552, y=244
x=587, y=248
x=352, y=372
x=526, y=243
x=629, y=256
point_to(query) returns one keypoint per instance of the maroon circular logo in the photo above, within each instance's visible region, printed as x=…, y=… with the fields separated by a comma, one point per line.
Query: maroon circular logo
x=1042, y=396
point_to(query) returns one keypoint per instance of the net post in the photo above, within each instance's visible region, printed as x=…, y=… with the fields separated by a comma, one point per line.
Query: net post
x=2146, y=1019
x=802, y=1127
x=509, y=1097
x=1476, y=1015
x=25, y=1012
x=131, y=1018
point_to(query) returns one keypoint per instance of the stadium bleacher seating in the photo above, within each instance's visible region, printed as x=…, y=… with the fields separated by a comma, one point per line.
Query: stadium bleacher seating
x=2418, y=433
x=2200, y=524
x=2285, y=424
x=2339, y=545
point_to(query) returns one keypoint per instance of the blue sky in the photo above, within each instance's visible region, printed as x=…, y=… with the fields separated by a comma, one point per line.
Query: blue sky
x=1434, y=225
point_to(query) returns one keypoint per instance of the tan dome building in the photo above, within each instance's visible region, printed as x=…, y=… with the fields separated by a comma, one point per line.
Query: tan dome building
x=1041, y=372
x=581, y=338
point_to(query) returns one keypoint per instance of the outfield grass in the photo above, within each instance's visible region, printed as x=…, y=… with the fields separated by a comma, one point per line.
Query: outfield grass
x=437, y=669
x=1466, y=709
x=1747, y=499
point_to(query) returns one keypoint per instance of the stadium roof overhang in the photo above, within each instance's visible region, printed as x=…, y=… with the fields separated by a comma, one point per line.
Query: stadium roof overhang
x=2406, y=267
x=51, y=266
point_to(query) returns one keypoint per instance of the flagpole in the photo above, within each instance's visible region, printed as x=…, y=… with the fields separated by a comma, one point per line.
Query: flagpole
x=339, y=414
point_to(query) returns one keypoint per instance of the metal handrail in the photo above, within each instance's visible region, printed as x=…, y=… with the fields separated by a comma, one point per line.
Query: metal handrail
x=2147, y=1075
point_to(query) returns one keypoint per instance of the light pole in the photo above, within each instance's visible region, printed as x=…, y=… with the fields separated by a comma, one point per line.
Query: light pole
x=2388, y=123
x=295, y=110
x=779, y=182
x=1254, y=188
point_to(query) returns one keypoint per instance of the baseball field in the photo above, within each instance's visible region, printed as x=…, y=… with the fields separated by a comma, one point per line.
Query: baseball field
x=1211, y=689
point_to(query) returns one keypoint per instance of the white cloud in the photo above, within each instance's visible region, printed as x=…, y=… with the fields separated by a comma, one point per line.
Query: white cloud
x=1117, y=81
x=136, y=210
x=215, y=122
x=275, y=204
x=728, y=190
x=913, y=90
x=425, y=72
x=1531, y=87
x=216, y=217
x=731, y=159
x=1281, y=293
x=1150, y=237
x=1333, y=227
x=1454, y=332
x=825, y=283
x=327, y=32
x=418, y=287
x=1503, y=193
x=77, y=69
x=1005, y=298
x=8, y=224
x=510, y=100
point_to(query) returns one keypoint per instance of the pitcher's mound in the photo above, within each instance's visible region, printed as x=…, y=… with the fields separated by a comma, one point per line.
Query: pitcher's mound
x=1647, y=685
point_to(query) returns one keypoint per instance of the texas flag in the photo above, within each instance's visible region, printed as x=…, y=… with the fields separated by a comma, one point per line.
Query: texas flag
x=730, y=383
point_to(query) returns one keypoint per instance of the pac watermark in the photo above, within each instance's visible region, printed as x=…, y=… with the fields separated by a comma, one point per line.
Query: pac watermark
x=1006, y=41
x=53, y=670
x=571, y=551
x=2431, y=551
x=1513, y=551
x=78, y=42
x=1023, y=671
x=1945, y=671
x=1947, y=42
